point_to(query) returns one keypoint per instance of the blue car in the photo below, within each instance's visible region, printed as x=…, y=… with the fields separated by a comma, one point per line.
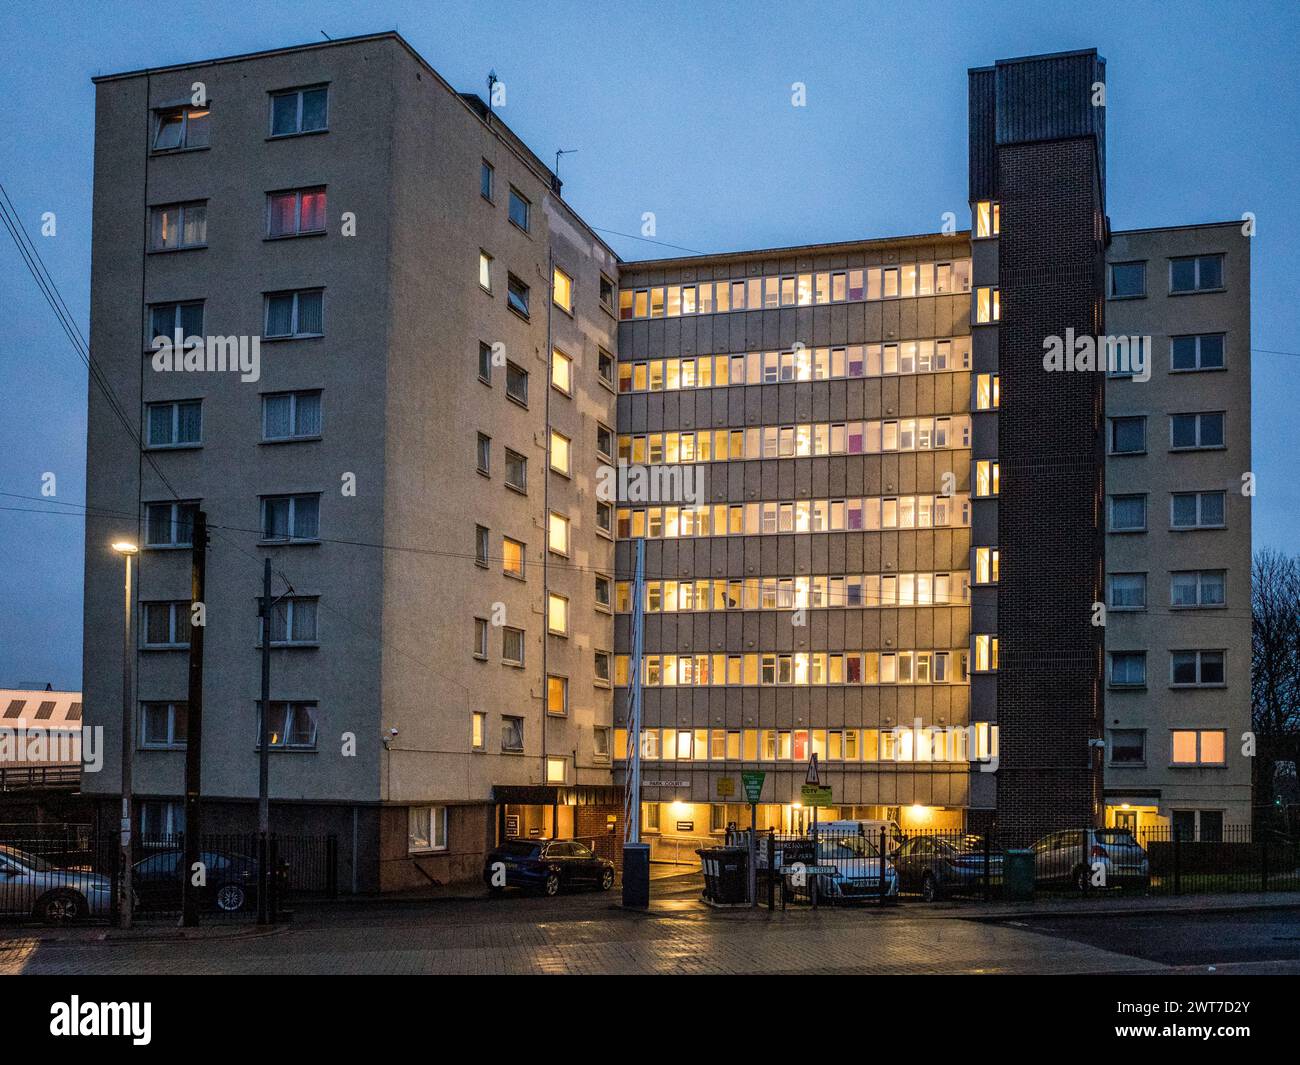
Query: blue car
x=546, y=866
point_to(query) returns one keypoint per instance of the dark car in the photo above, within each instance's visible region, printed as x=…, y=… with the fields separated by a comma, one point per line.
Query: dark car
x=231, y=881
x=935, y=866
x=546, y=866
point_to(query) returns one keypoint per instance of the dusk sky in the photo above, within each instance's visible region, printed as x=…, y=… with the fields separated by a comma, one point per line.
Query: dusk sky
x=682, y=109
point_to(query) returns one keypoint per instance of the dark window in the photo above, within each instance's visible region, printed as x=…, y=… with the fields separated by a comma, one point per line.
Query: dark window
x=516, y=383
x=1198, y=273
x=485, y=180
x=520, y=209
x=1128, y=279
x=1128, y=746
x=485, y=362
x=517, y=295
x=298, y=111
x=1128, y=436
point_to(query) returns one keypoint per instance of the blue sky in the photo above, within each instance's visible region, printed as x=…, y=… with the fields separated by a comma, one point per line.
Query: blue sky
x=682, y=109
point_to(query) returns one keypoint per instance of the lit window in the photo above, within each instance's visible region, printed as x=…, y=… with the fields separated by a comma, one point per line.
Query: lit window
x=987, y=305
x=556, y=770
x=1198, y=747
x=557, y=695
x=986, y=565
x=559, y=534
x=181, y=127
x=478, y=730
x=561, y=371
x=299, y=111
x=512, y=557
x=563, y=290
x=984, y=655
x=986, y=478
x=179, y=225
x=485, y=270
x=560, y=452
x=987, y=218
x=291, y=726
x=290, y=214
x=987, y=391
x=426, y=829
x=557, y=614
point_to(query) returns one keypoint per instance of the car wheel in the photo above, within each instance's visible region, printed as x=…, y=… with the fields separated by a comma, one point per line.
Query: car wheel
x=930, y=888
x=607, y=880
x=552, y=885
x=230, y=898
x=61, y=907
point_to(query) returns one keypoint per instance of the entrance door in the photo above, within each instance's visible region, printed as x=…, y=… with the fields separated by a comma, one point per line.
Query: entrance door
x=1127, y=819
x=800, y=820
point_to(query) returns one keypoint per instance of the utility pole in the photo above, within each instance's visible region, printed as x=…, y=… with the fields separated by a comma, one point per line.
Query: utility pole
x=194, y=723
x=264, y=748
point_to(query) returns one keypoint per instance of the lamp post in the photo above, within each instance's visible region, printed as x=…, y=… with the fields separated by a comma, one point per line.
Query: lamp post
x=128, y=551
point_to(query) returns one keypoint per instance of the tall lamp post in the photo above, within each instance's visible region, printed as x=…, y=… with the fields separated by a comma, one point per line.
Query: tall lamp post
x=128, y=551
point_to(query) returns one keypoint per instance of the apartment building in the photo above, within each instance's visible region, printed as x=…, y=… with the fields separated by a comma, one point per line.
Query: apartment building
x=878, y=528
x=417, y=455
x=1178, y=545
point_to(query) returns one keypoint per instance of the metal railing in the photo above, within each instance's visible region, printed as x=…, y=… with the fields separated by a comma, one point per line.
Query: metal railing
x=70, y=873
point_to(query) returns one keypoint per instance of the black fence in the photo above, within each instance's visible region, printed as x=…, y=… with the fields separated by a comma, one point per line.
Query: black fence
x=66, y=873
x=843, y=865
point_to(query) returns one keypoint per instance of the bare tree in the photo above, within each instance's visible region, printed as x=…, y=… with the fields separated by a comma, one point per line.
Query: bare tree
x=1275, y=670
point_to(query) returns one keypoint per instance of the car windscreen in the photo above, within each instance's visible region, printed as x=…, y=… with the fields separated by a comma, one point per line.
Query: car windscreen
x=29, y=861
x=847, y=847
x=1118, y=836
x=520, y=849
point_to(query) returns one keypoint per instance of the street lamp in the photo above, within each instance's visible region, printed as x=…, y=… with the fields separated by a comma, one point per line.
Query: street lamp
x=128, y=551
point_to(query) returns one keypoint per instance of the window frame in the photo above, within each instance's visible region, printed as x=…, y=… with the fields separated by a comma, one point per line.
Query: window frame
x=175, y=710
x=437, y=829
x=297, y=194
x=297, y=294
x=1111, y=294
x=173, y=444
x=293, y=499
x=295, y=399
x=185, y=111
x=299, y=92
x=1197, y=287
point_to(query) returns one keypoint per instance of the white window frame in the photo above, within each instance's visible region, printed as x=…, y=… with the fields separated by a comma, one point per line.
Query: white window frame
x=294, y=333
x=1200, y=416
x=182, y=208
x=1198, y=524
x=173, y=443
x=293, y=500
x=293, y=708
x=174, y=710
x=297, y=195
x=297, y=131
x=433, y=821
x=176, y=522
x=175, y=607
x=291, y=604
x=295, y=399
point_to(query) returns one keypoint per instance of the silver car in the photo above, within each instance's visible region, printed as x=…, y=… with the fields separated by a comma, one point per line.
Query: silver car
x=1077, y=856
x=31, y=885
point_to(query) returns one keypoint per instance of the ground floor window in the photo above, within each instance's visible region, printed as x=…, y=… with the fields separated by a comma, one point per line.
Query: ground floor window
x=162, y=817
x=426, y=829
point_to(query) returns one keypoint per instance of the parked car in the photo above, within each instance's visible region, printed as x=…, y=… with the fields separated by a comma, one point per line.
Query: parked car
x=31, y=885
x=935, y=866
x=857, y=863
x=231, y=881
x=546, y=866
x=871, y=829
x=1070, y=857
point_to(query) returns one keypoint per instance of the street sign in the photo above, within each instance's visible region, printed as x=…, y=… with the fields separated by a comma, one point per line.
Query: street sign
x=726, y=786
x=815, y=795
x=812, y=777
x=665, y=783
x=752, y=780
